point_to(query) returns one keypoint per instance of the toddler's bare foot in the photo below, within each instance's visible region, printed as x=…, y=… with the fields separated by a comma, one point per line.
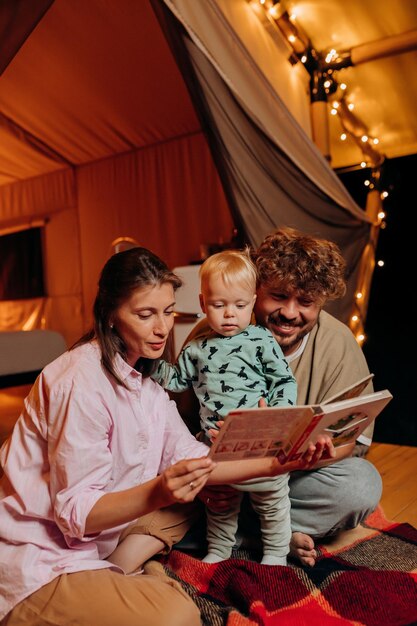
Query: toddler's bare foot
x=302, y=547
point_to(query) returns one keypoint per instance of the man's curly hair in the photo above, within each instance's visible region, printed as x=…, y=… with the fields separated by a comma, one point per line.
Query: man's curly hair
x=301, y=262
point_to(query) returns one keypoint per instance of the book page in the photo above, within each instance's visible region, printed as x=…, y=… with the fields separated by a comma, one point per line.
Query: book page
x=350, y=392
x=344, y=421
x=285, y=432
x=259, y=432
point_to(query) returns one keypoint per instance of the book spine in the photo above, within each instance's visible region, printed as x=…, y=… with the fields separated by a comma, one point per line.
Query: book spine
x=294, y=454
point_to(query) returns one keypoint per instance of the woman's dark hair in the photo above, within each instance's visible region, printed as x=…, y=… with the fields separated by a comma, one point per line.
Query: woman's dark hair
x=123, y=273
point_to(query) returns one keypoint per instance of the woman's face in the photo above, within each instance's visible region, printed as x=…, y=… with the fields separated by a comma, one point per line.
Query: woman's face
x=145, y=320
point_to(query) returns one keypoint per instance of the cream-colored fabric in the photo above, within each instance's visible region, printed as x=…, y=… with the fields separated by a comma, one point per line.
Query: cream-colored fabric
x=228, y=33
x=331, y=361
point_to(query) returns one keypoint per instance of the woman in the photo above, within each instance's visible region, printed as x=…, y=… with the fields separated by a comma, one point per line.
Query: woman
x=99, y=447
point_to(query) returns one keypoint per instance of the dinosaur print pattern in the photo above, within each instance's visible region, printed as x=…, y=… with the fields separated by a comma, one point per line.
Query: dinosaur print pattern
x=227, y=373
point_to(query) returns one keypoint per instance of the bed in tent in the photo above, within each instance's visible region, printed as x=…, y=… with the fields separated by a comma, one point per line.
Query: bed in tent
x=188, y=126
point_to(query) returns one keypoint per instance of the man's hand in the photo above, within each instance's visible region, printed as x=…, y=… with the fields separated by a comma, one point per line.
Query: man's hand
x=322, y=450
x=317, y=455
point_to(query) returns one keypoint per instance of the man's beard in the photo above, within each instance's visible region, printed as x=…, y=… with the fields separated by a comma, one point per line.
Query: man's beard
x=287, y=343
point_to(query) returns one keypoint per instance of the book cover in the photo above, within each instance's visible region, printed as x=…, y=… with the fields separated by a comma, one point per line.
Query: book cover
x=285, y=432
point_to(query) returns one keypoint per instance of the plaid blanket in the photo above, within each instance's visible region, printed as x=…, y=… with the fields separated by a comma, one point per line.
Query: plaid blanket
x=368, y=582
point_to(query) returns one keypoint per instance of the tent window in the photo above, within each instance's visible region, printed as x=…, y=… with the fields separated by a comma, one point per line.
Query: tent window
x=21, y=265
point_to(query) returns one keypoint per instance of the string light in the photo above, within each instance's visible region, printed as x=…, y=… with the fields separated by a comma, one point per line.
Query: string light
x=323, y=68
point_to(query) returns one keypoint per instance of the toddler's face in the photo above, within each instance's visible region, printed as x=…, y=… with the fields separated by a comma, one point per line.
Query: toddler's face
x=228, y=307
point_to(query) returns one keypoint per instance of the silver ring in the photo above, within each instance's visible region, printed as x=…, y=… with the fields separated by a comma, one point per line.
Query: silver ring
x=191, y=485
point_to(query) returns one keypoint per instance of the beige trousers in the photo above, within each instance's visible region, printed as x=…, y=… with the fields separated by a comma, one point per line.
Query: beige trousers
x=109, y=598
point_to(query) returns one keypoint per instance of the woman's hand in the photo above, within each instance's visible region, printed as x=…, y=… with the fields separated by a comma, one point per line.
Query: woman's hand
x=184, y=480
x=179, y=483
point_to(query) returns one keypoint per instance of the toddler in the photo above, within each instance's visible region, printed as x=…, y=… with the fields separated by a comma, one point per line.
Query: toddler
x=234, y=366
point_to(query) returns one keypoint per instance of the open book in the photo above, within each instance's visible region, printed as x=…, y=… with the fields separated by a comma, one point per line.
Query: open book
x=285, y=432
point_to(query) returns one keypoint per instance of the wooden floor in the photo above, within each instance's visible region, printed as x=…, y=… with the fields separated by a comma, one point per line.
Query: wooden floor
x=398, y=468
x=396, y=464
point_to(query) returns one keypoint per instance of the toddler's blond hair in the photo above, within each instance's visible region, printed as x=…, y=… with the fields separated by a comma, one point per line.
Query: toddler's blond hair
x=234, y=266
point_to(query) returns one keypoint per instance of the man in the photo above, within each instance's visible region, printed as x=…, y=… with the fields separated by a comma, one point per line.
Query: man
x=298, y=274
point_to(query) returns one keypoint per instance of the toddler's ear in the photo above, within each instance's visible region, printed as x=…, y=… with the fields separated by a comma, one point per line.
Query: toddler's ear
x=203, y=306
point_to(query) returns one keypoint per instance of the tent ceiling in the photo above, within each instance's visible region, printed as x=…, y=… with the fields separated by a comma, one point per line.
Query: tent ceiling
x=94, y=79
x=97, y=78
x=383, y=91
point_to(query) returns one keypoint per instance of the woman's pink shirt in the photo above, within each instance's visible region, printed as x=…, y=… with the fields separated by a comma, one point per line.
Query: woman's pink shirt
x=79, y=436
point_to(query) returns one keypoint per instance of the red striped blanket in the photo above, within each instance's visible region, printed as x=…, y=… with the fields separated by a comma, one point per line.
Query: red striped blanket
x=368, y=582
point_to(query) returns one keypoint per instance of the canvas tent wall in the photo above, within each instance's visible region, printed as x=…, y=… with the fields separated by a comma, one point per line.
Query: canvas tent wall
x=99, y=138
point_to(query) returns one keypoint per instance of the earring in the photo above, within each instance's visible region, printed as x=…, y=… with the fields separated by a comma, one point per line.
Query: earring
x=112, y=325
